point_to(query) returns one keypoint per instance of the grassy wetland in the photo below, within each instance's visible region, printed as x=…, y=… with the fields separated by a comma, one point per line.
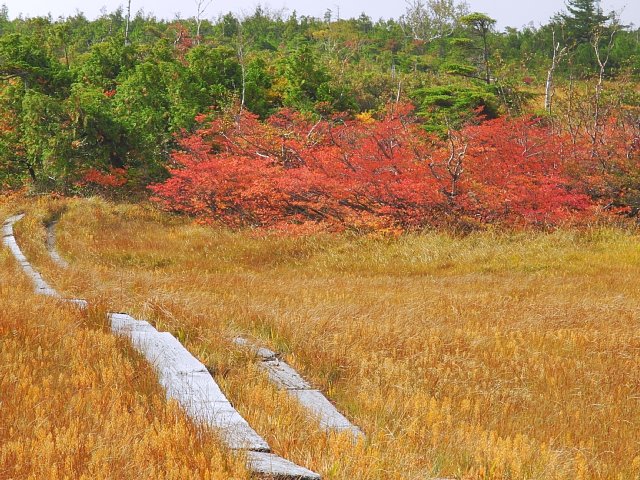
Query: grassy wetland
x=493, y=355
x=431, y=216
x=78, y=402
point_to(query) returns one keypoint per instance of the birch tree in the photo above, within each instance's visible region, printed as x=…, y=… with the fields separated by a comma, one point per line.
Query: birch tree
x=558, y=54
x=201, y=7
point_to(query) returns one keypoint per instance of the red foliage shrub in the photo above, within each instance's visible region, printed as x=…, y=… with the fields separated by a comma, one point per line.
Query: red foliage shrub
x=516, y=171
x=385, y=173
x=113, y=178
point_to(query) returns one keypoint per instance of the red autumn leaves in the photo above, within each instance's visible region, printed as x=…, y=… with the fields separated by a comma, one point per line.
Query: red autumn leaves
x=373, y=173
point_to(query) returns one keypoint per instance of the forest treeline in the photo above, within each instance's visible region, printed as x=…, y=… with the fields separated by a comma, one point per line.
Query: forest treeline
x=395, y=121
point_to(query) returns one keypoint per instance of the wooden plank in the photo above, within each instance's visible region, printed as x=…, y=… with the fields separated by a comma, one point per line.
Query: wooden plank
x=283, y=376
x=234, y=430
x=164, y=351
x=10, y=242
x=11, y=220
x=191, y=387
x=280, y=373
x=122, y=323
x=326, y=413
x=272, y=465
x=188, y=381
x=51, y=246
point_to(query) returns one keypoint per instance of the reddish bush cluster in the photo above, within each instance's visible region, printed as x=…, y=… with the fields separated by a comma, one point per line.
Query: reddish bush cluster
x=113, y=178
x=384, y=173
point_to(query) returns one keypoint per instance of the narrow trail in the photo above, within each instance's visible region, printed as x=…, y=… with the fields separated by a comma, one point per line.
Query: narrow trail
x=184, y=378
x=40, y=286
x=281, y=374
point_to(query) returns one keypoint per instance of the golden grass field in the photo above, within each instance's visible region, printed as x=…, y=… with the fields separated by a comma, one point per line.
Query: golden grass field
x=78, y=403
x=489, y=356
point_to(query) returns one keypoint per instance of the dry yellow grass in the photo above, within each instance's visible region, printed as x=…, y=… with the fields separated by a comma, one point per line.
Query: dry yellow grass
x=78, y=403
x=493, y=356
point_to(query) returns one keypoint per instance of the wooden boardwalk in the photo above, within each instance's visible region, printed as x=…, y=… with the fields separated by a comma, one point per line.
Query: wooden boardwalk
x=187, y=380
x=51, y=245
x=183, y=377
x=8, y=239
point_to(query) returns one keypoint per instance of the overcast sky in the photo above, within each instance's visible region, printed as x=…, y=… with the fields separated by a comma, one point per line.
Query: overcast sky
x=515, y=13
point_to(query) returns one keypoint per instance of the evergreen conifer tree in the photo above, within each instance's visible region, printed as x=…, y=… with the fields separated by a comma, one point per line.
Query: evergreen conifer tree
x=584, y=17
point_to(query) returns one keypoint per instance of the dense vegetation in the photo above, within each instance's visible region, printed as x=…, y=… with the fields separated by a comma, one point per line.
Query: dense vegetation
x=119, y=103
x=500, y=354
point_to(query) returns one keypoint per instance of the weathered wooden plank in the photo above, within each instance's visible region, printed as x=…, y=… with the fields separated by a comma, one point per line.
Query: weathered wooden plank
x=280, y=373
x=188, y=381
x=286, y=378
x=8, y=223
x=278, y=467
x=234, y=430
x=10, y=242
x=326, y=413
x=191, y=386
x=164, y=351
x=123, y=323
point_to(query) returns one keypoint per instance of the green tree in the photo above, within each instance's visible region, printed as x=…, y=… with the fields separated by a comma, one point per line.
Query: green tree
x=33, y=86
x=106, y=63
x=306, y=80
x=583, y=19
x=97, y=138
x=42, y=139
x=216, y=71
x=480, y=26
x=21, y=57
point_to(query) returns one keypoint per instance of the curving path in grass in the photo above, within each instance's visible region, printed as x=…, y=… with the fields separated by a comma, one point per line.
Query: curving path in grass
x=8, y=239
x=40, y=286
x=281, y=374
x=184, y=377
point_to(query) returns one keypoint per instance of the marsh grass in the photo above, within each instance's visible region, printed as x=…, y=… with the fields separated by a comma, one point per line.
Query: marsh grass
x=494, y=355
x=77, y=402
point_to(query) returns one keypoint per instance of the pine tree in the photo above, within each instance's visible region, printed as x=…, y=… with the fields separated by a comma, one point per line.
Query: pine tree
x=583, y=19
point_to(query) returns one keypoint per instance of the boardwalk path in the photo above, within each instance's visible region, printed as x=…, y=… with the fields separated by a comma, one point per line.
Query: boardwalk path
x=282, y=375
x=183, y=376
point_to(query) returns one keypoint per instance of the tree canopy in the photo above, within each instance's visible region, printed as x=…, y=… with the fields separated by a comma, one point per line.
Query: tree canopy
x=90, y=104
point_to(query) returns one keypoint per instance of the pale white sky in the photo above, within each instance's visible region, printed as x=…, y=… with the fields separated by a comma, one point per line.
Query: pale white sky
x=514, y=13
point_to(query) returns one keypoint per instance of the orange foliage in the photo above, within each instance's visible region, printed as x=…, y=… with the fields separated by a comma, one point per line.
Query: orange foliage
x=114, y=177
x=384, y=173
